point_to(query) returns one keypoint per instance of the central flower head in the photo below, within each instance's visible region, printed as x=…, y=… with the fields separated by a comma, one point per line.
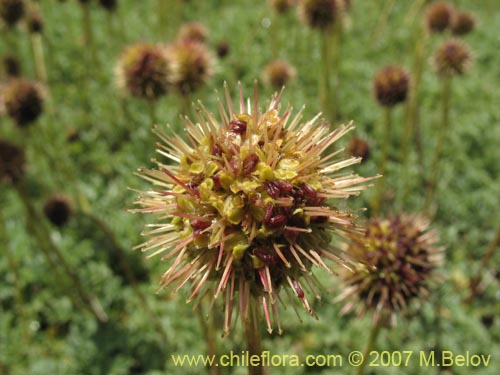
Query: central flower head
x=249, y=208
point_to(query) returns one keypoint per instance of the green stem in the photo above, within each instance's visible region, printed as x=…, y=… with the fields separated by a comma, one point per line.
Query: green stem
x=370, y=345
x=327, y=102
x=55, y=257
x=476, y=280
x=40, y=70
x=442, y=136
x=382, y=21
x=152, y=111
x=383, y=159
x=208, y=327
x=253, y=335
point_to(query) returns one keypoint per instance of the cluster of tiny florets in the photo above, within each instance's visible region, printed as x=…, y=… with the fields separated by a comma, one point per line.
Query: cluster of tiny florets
x=452, y=58
x=320, y=14
x=359, y=148
x=192, y=65
x=397, y=258
x=23, y=101
x=278, y=73
x=143, y=71
x=193, y=31
x=58, y=209
x=463, y=23
x=390, y=86
x=35, y=22
x=249, y=208
x=11, y=11
x=439, y=17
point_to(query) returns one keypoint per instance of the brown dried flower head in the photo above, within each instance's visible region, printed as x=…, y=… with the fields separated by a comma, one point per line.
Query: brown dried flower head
x=11, y=66
x=12, y=162
x=144, y=71
x=193, y=31
x=398, y=258
x=192, y=65
x=109, y=5
x=390, y=86
x=35, y=23
x=250, y=206
x=320, y=14
x=222, y=49
x=463, y=23
x=282, y=6
x=11, y=11
x=452, y=58
x=23, y=101
x=58, y=209
x=278, y=73
x=359, y=148
x=439, y=16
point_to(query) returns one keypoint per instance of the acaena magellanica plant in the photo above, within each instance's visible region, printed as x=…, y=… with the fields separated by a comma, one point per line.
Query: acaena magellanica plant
x=248, y=209
x=12, y=11
x=398, y=258
x=325, y=16
x=451, y=59
x=23, y=101
x=278, y=73
x=143, y=71
x=390, y=88
x=463, y=23
x=439, y=16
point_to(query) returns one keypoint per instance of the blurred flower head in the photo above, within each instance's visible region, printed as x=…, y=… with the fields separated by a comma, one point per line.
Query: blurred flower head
x=11, y=11
x=250, y=206
x=144, y=71
x=439, y=16
x=11, y=66
x=463, y=23
x=222, y=49
x=193, y=31
x=320, y=14
x=278, y=73
x=390, y=86
x=359, y=148
x=109, y=5
x=12, y=162
x=23, y=101
x=282, y=6
x=398, y=258
x=35, y=22
x=57, y=209
x=452, y=58
x=192, y=65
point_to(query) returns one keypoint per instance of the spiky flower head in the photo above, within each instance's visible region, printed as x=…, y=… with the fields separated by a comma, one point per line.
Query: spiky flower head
x=250, y=206
x=109, y=5
x=192, y=65
x=144, y=71
x=12, y=162
x=452, y=58
x=390, y=86
x=11, y=11
x=359, y=148
x=193, y=31
x=23, y=101
x=282, y=6
x=398, y=258
x=439, y=16
x=463, y=23
x=58, y=209
x=35, y=22
x=278, y=73
x=320, y=14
